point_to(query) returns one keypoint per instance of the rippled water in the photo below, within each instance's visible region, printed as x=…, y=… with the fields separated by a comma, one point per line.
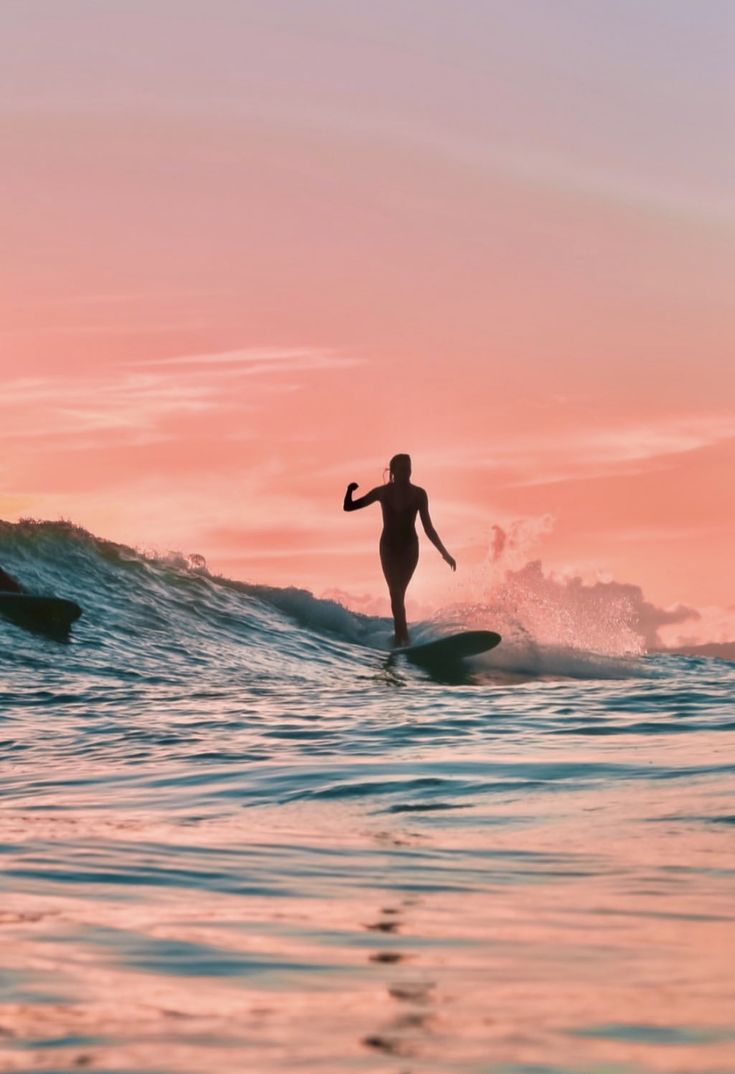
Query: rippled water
x=234, y=837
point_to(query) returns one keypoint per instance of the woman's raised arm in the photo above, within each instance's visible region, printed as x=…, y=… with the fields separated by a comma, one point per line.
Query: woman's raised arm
x=363, y=501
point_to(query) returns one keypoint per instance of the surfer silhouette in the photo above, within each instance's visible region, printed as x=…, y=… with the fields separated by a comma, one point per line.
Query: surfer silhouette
x=399, y=544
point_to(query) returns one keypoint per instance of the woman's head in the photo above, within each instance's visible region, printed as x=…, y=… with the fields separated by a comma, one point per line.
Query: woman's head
x=399, y=468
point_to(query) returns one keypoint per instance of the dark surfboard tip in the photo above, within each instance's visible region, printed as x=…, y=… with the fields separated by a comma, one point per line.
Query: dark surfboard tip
x=452, y=648
x=42, y=614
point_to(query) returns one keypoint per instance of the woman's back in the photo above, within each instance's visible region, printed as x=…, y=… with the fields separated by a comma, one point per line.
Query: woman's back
x=400, y=504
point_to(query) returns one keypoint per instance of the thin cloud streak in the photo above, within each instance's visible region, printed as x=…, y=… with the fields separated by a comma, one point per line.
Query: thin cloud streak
x=133, y=400
x=121, y=297
x=569, y=454
x=90, y=404
x=294, y=357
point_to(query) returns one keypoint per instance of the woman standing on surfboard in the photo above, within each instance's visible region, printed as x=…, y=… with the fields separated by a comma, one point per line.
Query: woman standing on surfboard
x=399, y=544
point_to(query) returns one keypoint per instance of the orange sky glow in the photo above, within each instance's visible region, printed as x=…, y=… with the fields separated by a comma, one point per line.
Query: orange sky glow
x=253, y=250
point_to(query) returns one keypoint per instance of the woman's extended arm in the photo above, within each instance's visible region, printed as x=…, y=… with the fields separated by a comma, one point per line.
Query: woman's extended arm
x=364, y=501
x=431, y=532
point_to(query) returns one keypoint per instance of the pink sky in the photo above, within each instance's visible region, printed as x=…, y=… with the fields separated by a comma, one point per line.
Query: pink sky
x=252, y=250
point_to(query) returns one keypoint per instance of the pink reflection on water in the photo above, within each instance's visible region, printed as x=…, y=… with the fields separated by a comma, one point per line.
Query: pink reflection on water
x=599, y=933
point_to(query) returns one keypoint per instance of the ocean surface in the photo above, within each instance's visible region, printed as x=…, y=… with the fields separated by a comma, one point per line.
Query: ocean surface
x=234, y=836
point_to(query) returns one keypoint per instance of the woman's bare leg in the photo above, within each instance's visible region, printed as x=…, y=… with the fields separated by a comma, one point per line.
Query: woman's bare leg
x=398, y=607
x=398, y=568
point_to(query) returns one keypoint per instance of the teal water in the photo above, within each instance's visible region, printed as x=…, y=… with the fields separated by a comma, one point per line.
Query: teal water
x=233, y=836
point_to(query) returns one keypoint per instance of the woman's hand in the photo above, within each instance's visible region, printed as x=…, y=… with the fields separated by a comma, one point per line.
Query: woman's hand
x=450, y=560
x=352, y=486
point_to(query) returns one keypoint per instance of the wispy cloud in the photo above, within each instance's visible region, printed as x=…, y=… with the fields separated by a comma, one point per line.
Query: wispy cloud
x=127, y=402
x=135, y=399
x=576, y=452
x=116, y=298
x=127, y=327
x=582, y=453
x=521, y=161
x=259, y=359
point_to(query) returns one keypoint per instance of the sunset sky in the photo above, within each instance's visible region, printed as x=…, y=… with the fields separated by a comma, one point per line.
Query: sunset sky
x=252, y=249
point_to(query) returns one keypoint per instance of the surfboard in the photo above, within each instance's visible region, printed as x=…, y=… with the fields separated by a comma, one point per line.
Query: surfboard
x=450, y=649
x=51, y=614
